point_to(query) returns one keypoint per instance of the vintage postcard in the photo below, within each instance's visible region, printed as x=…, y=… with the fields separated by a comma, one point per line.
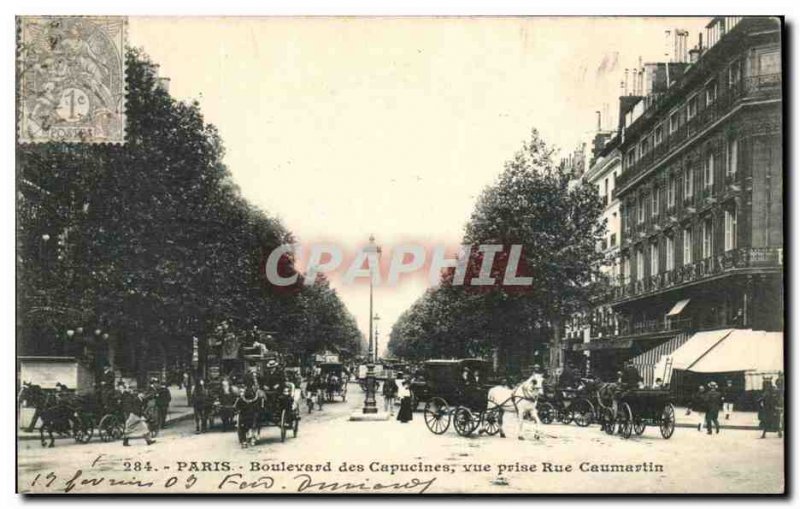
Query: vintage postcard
x=400, y=255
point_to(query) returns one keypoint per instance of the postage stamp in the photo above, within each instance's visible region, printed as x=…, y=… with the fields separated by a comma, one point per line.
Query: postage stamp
x=71, y=79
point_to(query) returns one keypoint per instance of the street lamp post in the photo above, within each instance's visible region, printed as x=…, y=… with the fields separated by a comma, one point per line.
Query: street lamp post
x=370, y=406
x=376, y=318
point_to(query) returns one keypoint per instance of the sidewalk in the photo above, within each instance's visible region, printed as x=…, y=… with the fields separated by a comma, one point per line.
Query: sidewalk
x=178, y=411
x=738, y=420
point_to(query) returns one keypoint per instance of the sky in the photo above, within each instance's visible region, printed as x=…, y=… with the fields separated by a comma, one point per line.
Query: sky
x=346, y=127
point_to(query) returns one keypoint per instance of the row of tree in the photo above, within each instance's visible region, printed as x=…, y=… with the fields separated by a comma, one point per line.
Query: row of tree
x=152, y=243
x=557, y=220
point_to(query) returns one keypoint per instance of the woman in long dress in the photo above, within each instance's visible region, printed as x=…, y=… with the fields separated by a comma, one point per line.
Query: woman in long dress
x=135, y=425
x=404, y=393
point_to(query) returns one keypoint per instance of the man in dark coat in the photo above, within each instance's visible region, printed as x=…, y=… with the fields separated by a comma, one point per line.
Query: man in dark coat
x=274, y=378
x=698, y=405
x=162, y=399
x=630, y=376
x=389, y=394
x=713, y=402
x=769, y=410
x=200, y=400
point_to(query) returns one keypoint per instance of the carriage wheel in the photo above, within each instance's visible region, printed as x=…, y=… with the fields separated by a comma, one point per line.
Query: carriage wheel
x=625, y=418
x=565, y=415
x=283, y=425
x=437, y=415
x=491, y=421
x=667, y=425
x=583, y=412
x=608, y=423
x=465, y=422
x=639, y=426
x=546, y=412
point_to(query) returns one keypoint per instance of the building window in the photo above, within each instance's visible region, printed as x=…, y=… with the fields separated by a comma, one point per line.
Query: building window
x=711, y=93
x=644, y=146
x=642, y=202
x=708, y=172
x=613, y=241
x=626, y=270
x=658, y=135
x=669, y=249
x=654, y=259
x=733, y=157
x=673, y=122
x=735, y=73
x=654, y=202
x=639, y=264
x=708, y=238
x=671, y=187
x=688, y=184
x=691, y=108
x=730, y=229
x=769, y=63
x=630, y=159
x=687, y=245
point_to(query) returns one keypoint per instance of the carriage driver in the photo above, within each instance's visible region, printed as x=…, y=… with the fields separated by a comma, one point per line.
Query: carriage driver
x=273, y=379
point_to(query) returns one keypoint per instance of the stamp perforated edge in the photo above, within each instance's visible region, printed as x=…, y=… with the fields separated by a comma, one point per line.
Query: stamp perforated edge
x=18, y=81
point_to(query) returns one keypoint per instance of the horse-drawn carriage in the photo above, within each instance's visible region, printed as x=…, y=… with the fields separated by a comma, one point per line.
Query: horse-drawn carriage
x=567, y=405
x=449, y=398
x=638, y=408
x=334, y=379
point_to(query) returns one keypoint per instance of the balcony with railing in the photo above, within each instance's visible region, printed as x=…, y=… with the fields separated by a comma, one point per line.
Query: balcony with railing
x=729, y=262
x=753, y=87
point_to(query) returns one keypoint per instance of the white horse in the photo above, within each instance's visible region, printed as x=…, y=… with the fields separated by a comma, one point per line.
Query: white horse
x=522, y=399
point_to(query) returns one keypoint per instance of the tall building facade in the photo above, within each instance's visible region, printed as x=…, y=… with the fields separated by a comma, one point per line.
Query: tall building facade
x=700, y=197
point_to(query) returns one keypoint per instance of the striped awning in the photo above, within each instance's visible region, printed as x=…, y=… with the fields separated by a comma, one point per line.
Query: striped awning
x=646, y=362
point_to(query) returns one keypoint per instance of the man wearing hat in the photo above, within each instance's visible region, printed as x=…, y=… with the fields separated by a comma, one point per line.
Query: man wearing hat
x=273, y=378
x=162, y=397
x=466, y=378
x=713, y=402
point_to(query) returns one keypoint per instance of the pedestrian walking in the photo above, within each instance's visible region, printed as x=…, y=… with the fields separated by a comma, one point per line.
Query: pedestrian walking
x=187, y=384
x=163, y=399
x=697, y=406
x=200, y=400
x=133, y=405
x=729, y=396
x=713, y=405
x=404, y=393
x=390, y=390
x=769, y=411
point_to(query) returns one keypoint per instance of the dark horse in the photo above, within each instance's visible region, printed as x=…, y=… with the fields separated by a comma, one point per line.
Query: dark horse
x=65, y=417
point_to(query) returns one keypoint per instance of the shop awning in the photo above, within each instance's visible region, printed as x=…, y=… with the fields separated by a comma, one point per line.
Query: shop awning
x=604, y=345
x=743, y=350
x=726, y=351
x=697, y=346
x=678, y=307
x=689, y=352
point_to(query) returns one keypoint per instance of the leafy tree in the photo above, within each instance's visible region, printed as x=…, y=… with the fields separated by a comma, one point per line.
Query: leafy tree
x=151, y=242
x=535, y=204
